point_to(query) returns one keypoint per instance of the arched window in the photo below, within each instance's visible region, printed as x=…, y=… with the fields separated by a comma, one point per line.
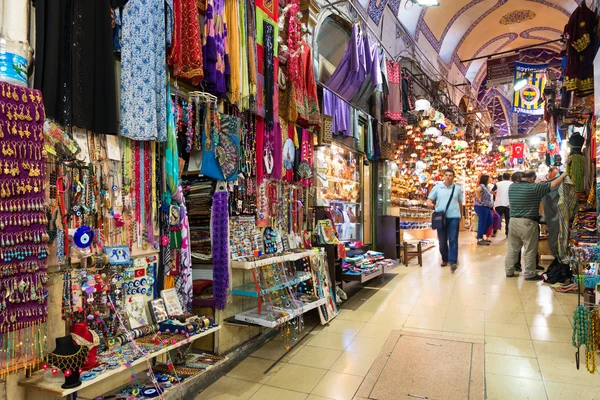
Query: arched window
x=332, y=38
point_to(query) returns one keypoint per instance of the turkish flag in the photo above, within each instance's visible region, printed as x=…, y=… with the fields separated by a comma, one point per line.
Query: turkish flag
x=517, y=150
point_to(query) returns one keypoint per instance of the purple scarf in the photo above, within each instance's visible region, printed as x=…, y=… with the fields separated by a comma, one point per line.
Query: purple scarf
x=220, y=248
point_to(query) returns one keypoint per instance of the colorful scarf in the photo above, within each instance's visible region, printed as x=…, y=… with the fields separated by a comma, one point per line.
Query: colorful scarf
x=220, y=248
x=183, y=281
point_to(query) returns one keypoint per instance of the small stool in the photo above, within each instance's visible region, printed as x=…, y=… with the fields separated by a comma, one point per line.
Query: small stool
x=418, y=253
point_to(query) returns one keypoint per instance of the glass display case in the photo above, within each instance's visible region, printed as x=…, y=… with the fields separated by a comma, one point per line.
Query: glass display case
x=338, y=181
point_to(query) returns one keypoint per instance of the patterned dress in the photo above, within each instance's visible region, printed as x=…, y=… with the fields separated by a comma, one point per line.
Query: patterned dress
x=215, y=49
x=144, y=71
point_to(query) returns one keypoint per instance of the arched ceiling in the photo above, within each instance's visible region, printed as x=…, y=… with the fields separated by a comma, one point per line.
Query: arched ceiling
x=462, y=29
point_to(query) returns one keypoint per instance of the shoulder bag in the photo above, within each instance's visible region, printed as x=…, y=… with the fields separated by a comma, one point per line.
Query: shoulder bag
x=438, y=218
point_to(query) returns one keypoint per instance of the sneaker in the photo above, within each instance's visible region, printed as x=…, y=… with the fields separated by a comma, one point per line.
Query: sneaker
x=540, y=268
x=511, y=275
x=483, y=243
x=535, y=277
x=453, y=267
x=444, y=263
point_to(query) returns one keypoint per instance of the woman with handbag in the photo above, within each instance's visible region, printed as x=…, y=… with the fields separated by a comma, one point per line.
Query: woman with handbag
x=446, y=199
x=483, y=204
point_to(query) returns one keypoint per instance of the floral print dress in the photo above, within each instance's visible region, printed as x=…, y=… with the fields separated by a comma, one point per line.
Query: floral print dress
x=144, y=71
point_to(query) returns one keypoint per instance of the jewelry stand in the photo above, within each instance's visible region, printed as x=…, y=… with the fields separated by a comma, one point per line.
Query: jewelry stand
x=68, y=357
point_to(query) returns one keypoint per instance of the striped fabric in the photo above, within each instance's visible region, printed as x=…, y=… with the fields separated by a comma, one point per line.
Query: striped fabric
x=525, y=197
x=567, y=208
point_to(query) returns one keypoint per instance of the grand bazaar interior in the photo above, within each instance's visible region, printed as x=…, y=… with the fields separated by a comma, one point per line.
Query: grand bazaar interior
x=299, y=199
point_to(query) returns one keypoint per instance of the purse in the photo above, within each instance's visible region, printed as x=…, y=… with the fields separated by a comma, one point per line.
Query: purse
x=438, y=218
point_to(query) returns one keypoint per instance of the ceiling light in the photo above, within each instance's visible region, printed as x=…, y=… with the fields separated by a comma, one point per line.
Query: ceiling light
x=426, y=3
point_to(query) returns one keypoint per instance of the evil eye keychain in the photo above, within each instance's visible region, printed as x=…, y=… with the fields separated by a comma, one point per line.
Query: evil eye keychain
x=83, y=237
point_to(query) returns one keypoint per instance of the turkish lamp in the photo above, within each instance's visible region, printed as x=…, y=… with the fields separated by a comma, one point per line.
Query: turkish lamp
x=424, y=123
x=422, y=105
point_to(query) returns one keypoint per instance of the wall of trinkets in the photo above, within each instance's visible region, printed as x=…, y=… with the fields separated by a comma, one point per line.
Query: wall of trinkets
x=582, y=252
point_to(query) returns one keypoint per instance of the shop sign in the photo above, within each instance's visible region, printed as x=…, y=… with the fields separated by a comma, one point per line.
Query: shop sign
x=500, y=71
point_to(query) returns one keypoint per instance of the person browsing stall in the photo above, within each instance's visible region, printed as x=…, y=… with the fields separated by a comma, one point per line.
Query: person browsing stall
x=484, y=204
x=501, y=203
x=524, y=197
x=447, y=198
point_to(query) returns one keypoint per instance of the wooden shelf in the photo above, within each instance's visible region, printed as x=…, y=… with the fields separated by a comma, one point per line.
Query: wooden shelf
x=37, y=381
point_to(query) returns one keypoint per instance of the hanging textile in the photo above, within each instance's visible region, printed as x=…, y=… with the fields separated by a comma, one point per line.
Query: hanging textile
x=517, y=150
x=576, y=171
x=269, y=72
x=567, y=208
x=306, y=95
x=352, y=69
x=244, y=66
x=266, y=64
x=74, y=63
x=143, y=71
x=186, y=50
x=232, y=17
x=393, y=107
x=171, y=153
x=215, y=49
x=339, y=111
x=220, y=247
x=373, y=78
x=252, y=57
x=551, y=217
x=581, y=50
x=184, y=280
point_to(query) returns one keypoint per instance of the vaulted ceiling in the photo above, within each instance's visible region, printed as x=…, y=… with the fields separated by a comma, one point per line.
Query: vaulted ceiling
x=463, y=29
x=459, y=30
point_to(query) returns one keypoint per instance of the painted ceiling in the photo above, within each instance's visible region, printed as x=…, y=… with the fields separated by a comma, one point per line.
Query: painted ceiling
x=462, y=29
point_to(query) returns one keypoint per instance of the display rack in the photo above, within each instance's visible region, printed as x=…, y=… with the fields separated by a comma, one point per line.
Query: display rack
x=37, y=381
x=251, y=289
x=254, y=316
x=249, y=265
x=339, y=181
x=167, y=392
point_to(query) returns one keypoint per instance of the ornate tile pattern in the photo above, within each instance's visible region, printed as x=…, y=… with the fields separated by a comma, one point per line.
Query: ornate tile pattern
x=375, y=9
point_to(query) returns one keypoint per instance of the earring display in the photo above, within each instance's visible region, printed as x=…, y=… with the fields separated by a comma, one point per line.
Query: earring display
x=23, y=235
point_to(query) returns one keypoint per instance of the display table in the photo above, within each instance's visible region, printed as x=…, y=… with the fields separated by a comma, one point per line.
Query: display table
x=37, y=381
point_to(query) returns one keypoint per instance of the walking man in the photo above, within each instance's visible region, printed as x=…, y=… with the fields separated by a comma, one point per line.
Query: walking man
x=447, y=197
x=502, y=203
x=524, y=231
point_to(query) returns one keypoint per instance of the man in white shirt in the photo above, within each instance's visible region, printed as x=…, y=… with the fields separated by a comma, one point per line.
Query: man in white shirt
x=501, y=204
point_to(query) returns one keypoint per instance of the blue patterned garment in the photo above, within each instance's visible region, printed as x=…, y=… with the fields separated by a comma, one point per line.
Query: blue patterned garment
x=143, y=71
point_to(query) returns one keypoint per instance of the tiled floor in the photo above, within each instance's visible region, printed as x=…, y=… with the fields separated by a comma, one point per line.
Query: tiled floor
x=526, y=327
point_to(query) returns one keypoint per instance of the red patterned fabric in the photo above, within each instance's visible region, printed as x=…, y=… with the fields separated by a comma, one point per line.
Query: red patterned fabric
x=393, y=111
x=307, y=101
x=270, y=7
x=186, y=51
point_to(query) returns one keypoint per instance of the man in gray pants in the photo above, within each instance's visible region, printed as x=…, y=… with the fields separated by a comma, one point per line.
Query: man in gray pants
x=525, y=197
